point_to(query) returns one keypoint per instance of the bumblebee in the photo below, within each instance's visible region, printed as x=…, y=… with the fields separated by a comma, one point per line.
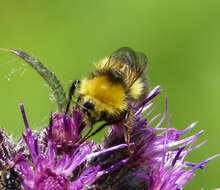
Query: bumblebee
x=107, y=94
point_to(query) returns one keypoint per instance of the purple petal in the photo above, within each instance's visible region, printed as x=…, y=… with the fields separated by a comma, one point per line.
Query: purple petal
x=87, y=177
x=24, y=115
x=68, y=163
x=113, y=166
x=163, y=117
x=95, y=154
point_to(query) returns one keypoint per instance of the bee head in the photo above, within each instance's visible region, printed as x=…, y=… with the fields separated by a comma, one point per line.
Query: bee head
x=88, y=106
x=91, y=115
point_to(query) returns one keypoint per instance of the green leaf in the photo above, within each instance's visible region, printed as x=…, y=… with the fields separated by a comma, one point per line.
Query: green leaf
x=49, y=77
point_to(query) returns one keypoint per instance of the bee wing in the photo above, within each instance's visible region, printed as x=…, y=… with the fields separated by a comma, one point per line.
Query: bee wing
x=131, y=63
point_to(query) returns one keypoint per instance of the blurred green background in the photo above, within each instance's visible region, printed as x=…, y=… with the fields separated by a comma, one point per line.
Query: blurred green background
x=181, y=39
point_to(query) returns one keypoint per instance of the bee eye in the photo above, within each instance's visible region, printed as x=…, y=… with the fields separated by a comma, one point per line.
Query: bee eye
x=89, y=105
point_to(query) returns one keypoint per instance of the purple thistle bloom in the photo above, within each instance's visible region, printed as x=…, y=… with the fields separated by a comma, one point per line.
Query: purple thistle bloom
x=175, y=176
x=158, y=161
x=65, y=131
x=50, y=173
x=56, y=160
x=48, y=170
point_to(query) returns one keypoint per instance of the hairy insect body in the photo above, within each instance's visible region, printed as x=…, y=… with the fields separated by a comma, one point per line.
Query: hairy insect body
x=108, y=92
x=109, y=98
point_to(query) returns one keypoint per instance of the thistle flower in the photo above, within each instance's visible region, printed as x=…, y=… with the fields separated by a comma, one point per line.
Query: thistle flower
x=175, y=175
x=65, y=131
x=158, y=161
x=48, y=170
x=54, y=159
x=51, y=174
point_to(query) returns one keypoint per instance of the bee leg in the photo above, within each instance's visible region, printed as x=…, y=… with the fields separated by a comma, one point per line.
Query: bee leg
x=127, y=137
x=87, y=134
x=128, y=130
x=96, y=131
x=71, y=92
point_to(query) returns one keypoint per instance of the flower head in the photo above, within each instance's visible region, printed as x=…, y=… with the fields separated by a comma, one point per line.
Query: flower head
x=158, y=161
x=65, y=131
x=52, y=173
x=175, y=175
x=47, y=170
x=55, y=159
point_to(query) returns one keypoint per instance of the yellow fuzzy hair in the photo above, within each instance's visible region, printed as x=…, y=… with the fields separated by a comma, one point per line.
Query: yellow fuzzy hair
x=136, y=90
x=106, y=96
